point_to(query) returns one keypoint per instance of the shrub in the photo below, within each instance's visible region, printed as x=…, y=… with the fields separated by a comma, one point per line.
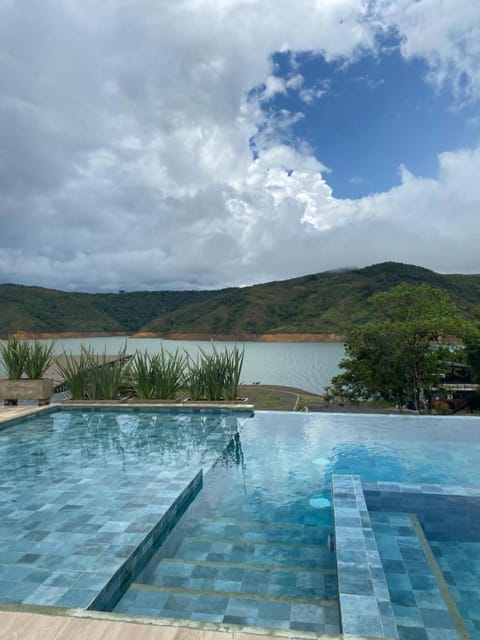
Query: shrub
x=195, y=379
x=160, y=375
x=92, y=376
x=74, y=371
x=14, y=354
x=233, y=363
x=168, y=373
x=39, y=358
x=142, y=376
x=215, y=375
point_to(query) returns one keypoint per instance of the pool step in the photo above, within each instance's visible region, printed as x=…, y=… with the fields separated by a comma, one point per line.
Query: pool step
x=232, y=608
x=315, y=556
x=288, y=582
x=254, y=531
x=247, y=572
x=265, y=512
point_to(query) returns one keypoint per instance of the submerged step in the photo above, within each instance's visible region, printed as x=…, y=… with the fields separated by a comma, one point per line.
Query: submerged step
x=285, y=582
x=246, y=565
x=257, y=543
x=301, y=555
x=248, y=510
x=261, y=532
x=231, y=609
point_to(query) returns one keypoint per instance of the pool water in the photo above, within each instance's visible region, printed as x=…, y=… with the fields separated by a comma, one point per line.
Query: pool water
x=460, y=565
x=81, y=491
x=253, y=549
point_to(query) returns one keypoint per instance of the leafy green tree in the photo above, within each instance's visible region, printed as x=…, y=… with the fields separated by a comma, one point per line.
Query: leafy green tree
x=399, y=356
x=472, y=350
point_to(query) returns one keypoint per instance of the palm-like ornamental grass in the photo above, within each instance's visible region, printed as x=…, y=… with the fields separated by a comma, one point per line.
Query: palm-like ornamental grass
x=215, y=375
x=13, y=355
x=93, y=376
x=39, y=358
x=158, y=375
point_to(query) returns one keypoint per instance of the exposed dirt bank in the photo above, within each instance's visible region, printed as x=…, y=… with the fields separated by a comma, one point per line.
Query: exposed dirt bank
x=244, y=337
x=235, y=337
x=31, y=335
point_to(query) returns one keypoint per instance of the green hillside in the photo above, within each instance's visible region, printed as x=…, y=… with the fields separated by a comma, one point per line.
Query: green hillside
x=329, y=302
x=36, y=309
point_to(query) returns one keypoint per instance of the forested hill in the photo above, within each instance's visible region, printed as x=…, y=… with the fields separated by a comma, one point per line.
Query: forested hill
x=329, y=302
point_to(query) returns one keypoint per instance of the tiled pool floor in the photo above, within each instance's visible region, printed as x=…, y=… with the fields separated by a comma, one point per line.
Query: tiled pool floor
x=230, y=580
x=423, y=608
x=78, y=498
x=234, y=561
x=460, y=565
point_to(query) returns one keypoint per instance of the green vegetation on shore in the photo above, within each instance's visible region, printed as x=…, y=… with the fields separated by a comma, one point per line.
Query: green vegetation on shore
x=401, y=356
x=324, y=303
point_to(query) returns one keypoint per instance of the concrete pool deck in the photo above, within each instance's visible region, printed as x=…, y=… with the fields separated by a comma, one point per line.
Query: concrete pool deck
x=35, y=626
x=13, y=413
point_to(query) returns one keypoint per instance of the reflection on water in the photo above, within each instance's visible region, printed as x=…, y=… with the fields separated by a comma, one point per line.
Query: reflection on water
x=55, y=443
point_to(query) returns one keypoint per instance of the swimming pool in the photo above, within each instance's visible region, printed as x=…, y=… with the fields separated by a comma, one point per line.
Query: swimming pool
x=254, y=547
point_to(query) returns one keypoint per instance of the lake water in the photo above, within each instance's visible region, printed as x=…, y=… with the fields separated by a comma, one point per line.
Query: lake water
x=307, y=365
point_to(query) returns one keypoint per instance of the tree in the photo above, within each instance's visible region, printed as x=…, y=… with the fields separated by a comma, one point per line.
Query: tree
x=399, y=356
x=472, y=350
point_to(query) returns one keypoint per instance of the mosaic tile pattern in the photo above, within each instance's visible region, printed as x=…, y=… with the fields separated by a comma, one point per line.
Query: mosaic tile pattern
x=449, y=521
x=445, y=512
x=240, y=555
x=418, y=602
x=81, y=490
x=365, y=607
x=242, y=578
x=460, y=565
x=231, y=609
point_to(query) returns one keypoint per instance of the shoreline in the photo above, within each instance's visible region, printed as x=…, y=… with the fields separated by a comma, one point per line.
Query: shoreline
x=239, y=337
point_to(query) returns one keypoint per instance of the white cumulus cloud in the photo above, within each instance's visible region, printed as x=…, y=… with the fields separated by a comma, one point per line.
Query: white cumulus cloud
x=126, y=134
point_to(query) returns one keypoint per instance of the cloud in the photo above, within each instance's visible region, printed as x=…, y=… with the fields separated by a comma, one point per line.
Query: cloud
x=126, y=136
x=444, y=34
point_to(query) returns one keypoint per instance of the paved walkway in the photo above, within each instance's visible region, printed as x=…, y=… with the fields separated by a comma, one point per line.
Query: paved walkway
x=35, y=626
x=10, y=413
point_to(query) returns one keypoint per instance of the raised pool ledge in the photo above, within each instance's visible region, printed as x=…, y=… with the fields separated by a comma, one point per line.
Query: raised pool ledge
x=65, y=547
x=365, y=607
x=123, y=576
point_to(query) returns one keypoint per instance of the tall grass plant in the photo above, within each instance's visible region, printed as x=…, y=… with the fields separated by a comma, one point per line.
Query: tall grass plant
x=39, y=358
x=94, y=377
x=159, y=375
x=13, y=356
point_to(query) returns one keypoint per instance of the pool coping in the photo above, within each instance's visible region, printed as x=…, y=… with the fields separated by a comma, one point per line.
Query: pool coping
x=189, y=405
x=365, y=606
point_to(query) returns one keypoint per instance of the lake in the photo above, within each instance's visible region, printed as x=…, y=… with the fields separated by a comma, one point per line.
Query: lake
x=307, y=365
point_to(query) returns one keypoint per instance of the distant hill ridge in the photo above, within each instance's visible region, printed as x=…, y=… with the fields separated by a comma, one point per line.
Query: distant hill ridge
x=323, y=303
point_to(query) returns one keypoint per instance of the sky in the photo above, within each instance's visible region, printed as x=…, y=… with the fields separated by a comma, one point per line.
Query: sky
x=152, y=144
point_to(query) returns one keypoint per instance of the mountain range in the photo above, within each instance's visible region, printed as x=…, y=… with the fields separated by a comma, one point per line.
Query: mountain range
x=323, y=303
